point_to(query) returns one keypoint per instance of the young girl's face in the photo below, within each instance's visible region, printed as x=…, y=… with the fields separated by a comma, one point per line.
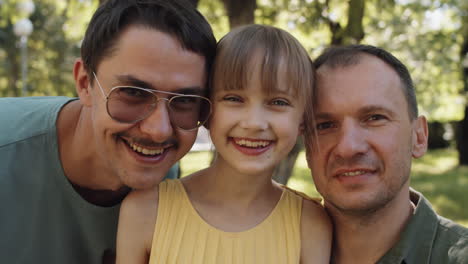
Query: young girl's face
x=253, y=130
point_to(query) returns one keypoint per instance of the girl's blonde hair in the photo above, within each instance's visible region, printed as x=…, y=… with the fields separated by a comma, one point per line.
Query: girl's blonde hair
x=279, y=52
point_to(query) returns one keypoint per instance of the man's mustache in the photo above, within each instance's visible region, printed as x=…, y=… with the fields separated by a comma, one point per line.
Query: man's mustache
x=147, y=142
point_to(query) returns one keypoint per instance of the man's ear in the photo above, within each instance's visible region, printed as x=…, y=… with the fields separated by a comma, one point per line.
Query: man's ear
x=420, y=136
x=82, y=85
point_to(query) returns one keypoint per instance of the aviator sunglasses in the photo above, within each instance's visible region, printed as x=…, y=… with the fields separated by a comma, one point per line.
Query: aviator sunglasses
x=129, y=104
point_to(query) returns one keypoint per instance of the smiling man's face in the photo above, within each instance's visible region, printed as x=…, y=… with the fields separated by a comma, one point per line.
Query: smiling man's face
x=362, y=155
x=139, y=155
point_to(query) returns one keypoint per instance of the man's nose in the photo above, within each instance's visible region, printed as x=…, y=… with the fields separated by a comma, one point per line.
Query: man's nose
x=158, y=124
x=351, y=140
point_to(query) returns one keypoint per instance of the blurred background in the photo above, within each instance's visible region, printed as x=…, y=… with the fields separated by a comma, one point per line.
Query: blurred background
x=40, y=39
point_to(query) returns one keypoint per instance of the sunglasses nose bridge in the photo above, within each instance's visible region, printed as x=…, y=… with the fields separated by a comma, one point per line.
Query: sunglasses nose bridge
x=155, y=104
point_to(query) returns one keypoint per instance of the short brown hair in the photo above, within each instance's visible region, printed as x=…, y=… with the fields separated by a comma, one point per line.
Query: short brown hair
x=177, y=18
x=347, y=56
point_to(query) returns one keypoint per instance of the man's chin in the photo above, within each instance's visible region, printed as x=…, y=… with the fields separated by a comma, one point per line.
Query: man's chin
x=356, y=205
x=147, y=179
x=146, y=184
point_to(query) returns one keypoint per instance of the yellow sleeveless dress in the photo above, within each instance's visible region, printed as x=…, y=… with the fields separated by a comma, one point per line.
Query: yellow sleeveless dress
x=181, y=236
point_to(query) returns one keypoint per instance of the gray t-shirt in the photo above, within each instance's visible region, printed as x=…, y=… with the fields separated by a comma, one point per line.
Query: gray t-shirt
x=42, y=218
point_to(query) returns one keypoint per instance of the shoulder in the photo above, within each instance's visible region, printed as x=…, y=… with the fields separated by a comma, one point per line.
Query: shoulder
x=314, y=216
x=448, y=234
x=140, y=202
x=138, y=214
x=312, y=209
x=316, y=233
x=316, y=225
x=300, y=195
x=315, y=221
x=146, y=202
x=29, y=105
x=452, y=239
x=28, y=116
x=453, y=229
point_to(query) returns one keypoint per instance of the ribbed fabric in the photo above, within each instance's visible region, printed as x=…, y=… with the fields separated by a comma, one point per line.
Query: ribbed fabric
x=181, y=236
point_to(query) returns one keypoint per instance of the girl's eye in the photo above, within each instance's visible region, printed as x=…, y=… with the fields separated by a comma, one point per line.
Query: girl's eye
x=232, y=98
x=280, y=102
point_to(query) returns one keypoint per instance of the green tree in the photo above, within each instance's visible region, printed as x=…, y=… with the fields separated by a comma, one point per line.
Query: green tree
x=240, y=12
x=428, y=37
x=52, y=46
x=9, y=62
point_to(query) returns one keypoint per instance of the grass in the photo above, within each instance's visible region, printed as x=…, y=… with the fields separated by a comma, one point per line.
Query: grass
x=436, y=175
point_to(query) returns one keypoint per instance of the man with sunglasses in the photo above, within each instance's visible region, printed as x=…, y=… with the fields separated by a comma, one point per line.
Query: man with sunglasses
x=66, y=164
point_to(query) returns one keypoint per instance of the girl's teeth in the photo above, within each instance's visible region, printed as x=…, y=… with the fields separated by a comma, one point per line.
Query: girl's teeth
x=252, y=144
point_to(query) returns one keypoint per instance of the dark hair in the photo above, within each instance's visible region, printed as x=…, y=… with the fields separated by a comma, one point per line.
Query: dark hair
x=343, y=56
x=178, y=18
x=275, y=51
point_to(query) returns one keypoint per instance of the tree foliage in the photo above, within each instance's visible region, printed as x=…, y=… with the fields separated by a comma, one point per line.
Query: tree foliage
x=52, y=46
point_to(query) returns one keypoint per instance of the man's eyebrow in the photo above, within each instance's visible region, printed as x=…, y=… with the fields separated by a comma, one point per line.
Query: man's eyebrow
x=375, y=108
x=133, y=81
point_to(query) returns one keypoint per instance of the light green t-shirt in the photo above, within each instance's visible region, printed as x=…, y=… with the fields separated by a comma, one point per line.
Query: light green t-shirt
x=42, y=218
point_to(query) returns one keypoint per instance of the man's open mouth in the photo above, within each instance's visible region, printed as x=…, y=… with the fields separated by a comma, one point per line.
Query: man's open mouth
x=145, y=150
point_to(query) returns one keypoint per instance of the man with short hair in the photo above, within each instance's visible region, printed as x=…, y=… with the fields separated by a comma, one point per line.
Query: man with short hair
x=66, y=164
x=367, y=130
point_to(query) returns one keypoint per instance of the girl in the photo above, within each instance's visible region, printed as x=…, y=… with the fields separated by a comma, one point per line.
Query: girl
x=233, y=212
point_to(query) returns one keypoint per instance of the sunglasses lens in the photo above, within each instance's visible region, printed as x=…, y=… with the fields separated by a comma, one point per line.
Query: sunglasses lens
x=129, y=104
x=189, y=112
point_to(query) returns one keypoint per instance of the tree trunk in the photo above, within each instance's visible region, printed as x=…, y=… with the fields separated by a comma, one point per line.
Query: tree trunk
x=240, y=12
x=462, y=138
x=436, y=136
x=462, y=130
x=10, y=44
x=14, y=75
x=354, y=31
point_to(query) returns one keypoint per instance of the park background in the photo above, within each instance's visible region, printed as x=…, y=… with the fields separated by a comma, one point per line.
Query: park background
x=429, y=36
